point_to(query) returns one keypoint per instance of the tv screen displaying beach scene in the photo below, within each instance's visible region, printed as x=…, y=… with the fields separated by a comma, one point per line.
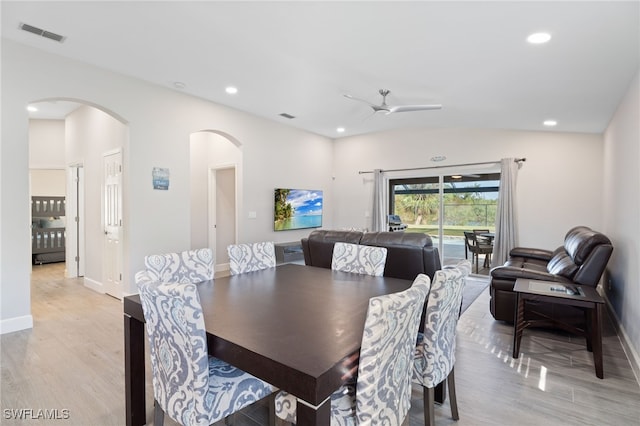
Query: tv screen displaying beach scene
x=297, y=209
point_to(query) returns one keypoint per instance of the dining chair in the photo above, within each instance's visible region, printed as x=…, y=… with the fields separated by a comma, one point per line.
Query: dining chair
x=358, y=258
x=191, y=266
x=188, y=385
x=435, y=350
x=482, y=238
x=473, y=245
x=381, y=394
x=251, y=257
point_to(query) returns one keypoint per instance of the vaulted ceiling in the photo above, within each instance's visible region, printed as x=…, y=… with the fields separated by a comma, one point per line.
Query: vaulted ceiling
x=300, y=58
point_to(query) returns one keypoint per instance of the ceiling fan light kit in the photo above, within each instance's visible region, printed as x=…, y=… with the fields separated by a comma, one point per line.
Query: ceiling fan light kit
x=390, y=109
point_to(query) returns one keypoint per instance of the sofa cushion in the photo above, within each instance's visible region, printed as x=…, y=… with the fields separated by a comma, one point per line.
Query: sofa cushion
x=562, y=264
x=580, y=242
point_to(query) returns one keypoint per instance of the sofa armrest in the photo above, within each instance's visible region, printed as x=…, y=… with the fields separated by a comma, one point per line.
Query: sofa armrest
x=511, y=273
x=531, y=253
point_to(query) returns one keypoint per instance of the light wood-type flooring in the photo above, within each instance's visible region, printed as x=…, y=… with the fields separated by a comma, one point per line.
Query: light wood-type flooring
x=71, y=366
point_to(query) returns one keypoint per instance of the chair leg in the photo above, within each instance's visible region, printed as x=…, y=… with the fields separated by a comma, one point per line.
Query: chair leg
x=429, y=406
x=158, y=414
x=452, y=395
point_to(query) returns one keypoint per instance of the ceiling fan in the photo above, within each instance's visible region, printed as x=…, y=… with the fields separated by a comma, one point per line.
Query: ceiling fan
x=389, y=109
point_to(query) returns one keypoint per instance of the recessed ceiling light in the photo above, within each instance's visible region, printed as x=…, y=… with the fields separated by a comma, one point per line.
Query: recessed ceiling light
x=340, y=129
x=539, y=38
x=179, y=85
x=550, y=123
x=231, y=90
x=437, y=158
x=31, y=108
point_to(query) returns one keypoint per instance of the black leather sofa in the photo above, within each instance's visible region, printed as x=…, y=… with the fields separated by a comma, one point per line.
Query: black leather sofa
x=581, y=260
x=408, y=254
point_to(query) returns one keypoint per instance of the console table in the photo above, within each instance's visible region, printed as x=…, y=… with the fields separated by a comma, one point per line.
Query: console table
x=565, y=294
x=288, y=252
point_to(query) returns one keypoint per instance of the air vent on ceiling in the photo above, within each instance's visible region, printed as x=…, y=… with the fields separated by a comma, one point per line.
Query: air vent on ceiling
x=42, y=33
x=285, y=115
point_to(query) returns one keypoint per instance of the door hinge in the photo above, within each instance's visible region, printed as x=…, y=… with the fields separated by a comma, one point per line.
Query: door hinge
x=77, y=259
x=120, y=277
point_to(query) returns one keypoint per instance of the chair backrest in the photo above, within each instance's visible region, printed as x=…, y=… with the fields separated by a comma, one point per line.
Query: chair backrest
x=251, y=257
x=439, y=339
x=191, y=266
x=360, y=259
x=471, y=239
x=178, y=348
x=383, y=388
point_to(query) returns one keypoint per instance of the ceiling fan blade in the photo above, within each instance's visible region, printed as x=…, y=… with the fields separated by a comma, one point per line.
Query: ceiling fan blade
x=360, y=100
x=376, y=108
x=409, y=108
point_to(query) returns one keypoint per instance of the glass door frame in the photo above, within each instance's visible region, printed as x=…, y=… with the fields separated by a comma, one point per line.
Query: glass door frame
x=440, y=173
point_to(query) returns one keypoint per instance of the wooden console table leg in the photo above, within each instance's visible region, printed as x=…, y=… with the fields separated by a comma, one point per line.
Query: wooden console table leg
x=135, y=411
x=518, y=325
x=596, y=339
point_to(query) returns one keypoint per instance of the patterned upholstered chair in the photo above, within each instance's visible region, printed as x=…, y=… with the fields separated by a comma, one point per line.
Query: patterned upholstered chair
x=383, y=386
x=251, y=257
x=188, y=385
x=435, y=351
x=358, y=258
x=191, y=266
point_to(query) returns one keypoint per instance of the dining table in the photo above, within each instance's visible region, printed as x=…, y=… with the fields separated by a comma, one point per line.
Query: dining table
x=294, y=326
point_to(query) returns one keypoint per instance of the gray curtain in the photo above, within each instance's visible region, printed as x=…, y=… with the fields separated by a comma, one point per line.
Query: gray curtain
x=506, y=215
x=379, y=216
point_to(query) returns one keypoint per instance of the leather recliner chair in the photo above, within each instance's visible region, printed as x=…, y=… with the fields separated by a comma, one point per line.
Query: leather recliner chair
x=581, y=260
x=408, y=254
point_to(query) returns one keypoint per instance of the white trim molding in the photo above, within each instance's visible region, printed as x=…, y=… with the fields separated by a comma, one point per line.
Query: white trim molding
x=10, y=325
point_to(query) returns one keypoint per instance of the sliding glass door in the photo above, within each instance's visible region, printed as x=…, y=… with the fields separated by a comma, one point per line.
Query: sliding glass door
x=445, y=206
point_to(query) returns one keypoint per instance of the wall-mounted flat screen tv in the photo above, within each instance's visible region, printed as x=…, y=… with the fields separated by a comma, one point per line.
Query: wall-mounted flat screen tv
x=297, y=209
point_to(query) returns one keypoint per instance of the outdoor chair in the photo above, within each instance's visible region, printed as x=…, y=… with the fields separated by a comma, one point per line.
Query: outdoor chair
x=251, y=257
x=188, y=385
x=438, y=341
x=359, y=259
x=473, y=245
x=382, y=389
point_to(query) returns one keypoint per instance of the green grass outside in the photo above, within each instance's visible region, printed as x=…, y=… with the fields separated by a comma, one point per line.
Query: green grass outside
x=449, y=231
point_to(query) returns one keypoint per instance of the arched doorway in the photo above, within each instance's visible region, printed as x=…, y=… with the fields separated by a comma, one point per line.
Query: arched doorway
x=215, y=164
x=90, y=137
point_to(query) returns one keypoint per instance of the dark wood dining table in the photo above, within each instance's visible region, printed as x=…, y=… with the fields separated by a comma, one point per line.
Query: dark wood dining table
x=294, y=326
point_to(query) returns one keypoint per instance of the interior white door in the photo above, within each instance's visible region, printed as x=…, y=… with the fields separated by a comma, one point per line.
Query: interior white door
x=112, y=219
x=75, y=242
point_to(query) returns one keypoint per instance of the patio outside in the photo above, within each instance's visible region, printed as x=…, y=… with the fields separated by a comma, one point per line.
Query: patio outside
x=465, y=203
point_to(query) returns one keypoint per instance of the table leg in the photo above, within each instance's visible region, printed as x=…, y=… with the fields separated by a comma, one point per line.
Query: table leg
x=309, y=415
x=518, y=325
x=596, y=339
x=134, y=371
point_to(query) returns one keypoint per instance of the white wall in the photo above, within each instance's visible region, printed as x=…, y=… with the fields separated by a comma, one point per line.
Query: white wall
x=160, y=122
x=559, y=186
x=48, y=182
x=46, y=144
x=621, y=203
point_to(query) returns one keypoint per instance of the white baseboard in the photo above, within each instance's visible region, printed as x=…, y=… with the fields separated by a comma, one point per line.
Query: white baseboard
x=221, y=267
x=10, y=325
x=94, y=285
x=629, y=350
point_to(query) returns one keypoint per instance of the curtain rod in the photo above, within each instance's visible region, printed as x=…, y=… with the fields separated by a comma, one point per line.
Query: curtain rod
x=517, y=160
